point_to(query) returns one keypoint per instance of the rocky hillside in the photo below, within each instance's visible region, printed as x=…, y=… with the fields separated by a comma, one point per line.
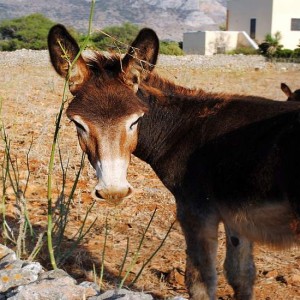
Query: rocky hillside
x=170, y=18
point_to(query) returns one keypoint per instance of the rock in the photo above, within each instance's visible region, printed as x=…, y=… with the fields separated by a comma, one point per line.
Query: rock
x=122, y=294
x=33, y=267
x=88, y=284
x=6, y=255
x=57, y=274
x=272, y=274
x=294, y=280
x=63, y=288
x=9, y=265
x=16, y=272
x=22, y=280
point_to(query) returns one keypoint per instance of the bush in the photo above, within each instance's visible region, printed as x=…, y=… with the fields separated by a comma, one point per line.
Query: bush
x=28, y=32
x=170, y=48
x=117, y=38
x=243, y=50
x=284, y=53
x=271, y=45
x=263, y=48
x=280, y=54
x=31, y=32
x=296, y=53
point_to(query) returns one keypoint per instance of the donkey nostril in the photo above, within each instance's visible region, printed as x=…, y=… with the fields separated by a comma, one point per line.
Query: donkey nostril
x=129, y=191
x=98, y=195
x=112, y=195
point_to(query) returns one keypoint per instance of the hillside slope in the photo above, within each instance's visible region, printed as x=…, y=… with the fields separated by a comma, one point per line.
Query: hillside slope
x=170, y=18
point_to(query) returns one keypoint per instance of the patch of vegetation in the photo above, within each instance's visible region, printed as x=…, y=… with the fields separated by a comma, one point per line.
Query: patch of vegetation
x=271, y=45
x=117, y=38
x=28, y=32
x=273, y=50
x=114, y=38
x=170, y=48
x=297, y=52
x=243, y=50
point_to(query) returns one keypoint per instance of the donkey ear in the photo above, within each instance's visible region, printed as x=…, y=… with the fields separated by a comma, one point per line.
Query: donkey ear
x=140, y=58
x=63, y=49
x=286, y=89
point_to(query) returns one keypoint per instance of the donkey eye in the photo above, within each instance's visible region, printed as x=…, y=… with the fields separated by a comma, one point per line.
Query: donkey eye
x=78, y=125
x=134, y=123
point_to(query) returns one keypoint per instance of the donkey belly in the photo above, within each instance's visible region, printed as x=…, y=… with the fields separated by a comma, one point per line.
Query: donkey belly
x=270, y=223
x=255, y=182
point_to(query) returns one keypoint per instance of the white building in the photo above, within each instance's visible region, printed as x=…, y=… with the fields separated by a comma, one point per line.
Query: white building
x=261, y=17
x=214, y=42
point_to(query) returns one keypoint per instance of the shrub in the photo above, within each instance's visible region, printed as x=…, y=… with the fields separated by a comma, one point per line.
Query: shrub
x=170, y=48
x=284, y=53
x=29, y=32
x=116, y=37
x=271, y=45
x=296, y=53
x=243, y=50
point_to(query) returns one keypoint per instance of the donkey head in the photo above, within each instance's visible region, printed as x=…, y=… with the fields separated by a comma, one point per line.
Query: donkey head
x=292, y=96
x=105, y=108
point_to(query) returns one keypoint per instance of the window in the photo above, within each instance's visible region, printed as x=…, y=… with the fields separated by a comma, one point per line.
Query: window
x=295, y=24
x=252, y=28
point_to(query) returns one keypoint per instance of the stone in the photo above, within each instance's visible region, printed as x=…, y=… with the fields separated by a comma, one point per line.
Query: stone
x=63, y=288
x=22, y=280
x=57, y=274
x=9, y=265
x=6, y=254
x=272, y=274
x=122, y=294
x=16, y=277
x=294, y=280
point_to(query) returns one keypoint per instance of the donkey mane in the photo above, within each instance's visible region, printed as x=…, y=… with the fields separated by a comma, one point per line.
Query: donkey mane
x=97, y=61
x=156, y=85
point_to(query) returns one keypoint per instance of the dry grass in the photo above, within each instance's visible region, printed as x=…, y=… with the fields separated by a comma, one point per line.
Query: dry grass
x=31, y=98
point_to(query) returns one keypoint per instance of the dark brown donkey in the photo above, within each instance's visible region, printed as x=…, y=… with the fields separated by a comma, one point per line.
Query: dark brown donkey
x=226, y=158
x=292, y=96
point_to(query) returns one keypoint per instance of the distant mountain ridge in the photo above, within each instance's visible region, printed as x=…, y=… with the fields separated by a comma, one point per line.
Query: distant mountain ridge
x=170, y=18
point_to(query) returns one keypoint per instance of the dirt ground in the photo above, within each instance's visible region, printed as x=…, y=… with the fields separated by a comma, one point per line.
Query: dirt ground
x=31, y=96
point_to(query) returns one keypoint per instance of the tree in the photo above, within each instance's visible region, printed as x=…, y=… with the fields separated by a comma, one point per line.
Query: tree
x=115, y=37
x=29, y=32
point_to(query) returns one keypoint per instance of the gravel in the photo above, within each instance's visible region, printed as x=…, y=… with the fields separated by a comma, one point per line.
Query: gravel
x=24, y=57
x=238, y=62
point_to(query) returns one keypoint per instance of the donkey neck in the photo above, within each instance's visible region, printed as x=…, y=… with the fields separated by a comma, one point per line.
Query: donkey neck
x=177, y=125
x=170, y=132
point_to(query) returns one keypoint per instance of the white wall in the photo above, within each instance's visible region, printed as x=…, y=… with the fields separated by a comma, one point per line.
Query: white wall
x=241, y=11
x=271, y=16
x=216, y=41
x=213, y=42
x=283, y=12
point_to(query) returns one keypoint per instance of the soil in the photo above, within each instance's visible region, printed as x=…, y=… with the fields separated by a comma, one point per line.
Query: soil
x=31, y=94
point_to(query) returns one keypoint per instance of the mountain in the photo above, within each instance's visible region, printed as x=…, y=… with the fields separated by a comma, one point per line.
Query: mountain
x=170, y=18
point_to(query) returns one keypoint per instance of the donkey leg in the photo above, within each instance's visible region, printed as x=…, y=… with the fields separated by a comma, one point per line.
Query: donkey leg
x=239, y=266
x=201, y=239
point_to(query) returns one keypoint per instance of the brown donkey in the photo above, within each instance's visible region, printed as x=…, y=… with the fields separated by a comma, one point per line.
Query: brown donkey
x=226, y=158
x=292, y=96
